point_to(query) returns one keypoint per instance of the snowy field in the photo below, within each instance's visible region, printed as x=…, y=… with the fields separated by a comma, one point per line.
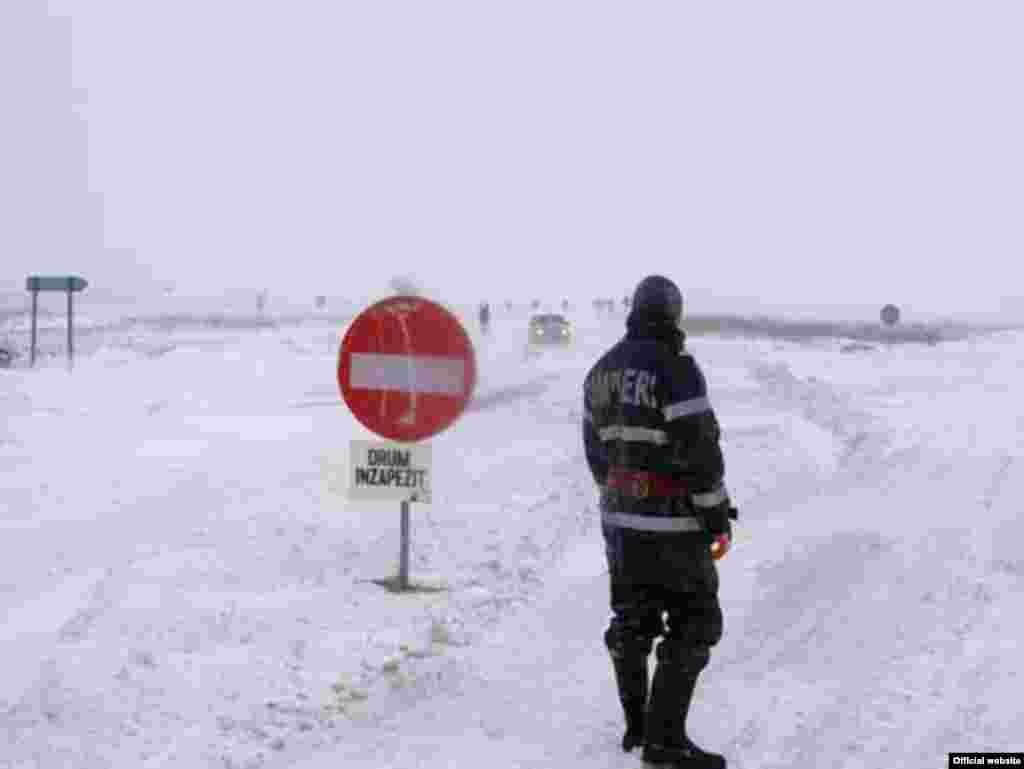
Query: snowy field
x=183, y=582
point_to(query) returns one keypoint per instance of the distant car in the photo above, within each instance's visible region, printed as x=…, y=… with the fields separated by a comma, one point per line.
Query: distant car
x=6, y=358
x=549, y=329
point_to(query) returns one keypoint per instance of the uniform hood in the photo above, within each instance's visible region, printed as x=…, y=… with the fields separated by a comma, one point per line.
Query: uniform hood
x=645, y=325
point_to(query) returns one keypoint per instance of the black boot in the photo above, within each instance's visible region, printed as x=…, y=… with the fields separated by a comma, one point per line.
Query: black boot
x=635, y=717
x=687, y=756
x=629, y=659
x=666, y=745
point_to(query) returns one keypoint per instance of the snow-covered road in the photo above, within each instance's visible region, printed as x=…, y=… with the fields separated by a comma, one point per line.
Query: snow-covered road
x=184, y=583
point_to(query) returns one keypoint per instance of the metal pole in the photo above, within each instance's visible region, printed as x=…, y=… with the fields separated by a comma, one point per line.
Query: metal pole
x=35, y=305
x=403, y=556
x=71, y=343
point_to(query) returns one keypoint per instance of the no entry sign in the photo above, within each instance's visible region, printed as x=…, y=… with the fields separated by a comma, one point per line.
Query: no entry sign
x=406, y=368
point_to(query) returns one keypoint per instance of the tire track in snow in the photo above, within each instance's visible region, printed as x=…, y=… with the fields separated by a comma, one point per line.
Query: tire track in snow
x=987, y=669
x=797, y=628
x=898, y=673
x=32, y=632
x=854, y=640
x=812, y=630
x=861, y=437
x=796, y=599
x=504, y=395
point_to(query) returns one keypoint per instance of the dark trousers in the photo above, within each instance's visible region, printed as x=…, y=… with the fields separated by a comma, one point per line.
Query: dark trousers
x=663, y=585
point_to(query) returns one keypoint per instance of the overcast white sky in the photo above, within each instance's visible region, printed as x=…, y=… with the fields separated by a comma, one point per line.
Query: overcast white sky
x=792, y=152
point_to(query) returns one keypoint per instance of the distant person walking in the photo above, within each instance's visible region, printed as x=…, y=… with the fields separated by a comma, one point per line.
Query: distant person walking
x=485, y=317
x=652, y=444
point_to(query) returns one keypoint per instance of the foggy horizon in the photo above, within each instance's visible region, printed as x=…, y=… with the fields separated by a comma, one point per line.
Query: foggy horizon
x=766, y=159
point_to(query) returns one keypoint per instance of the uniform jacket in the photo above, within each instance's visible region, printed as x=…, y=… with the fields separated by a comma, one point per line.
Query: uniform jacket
x=651, y=435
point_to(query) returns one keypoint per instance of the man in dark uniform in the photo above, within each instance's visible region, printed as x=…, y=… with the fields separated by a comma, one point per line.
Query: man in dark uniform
x=652, y=443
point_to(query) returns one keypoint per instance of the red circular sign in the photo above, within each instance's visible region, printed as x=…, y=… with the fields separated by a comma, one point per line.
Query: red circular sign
x=406, y=368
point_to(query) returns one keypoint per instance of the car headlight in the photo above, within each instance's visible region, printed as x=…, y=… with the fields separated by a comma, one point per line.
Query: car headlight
x=565, y=331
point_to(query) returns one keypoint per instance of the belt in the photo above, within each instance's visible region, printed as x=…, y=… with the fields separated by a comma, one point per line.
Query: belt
x=642, y=483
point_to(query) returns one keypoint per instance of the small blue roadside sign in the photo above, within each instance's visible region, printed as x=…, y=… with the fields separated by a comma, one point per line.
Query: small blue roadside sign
x=68, y=283
x=55, y=283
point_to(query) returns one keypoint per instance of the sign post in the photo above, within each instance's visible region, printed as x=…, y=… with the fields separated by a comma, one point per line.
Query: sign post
x=69, y=283
x=35, y=307
x=71, y=325
x=403, y=547
x=406, y=370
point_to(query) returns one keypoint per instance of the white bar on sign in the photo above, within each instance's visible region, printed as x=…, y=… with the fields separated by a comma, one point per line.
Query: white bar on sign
x=408, y=373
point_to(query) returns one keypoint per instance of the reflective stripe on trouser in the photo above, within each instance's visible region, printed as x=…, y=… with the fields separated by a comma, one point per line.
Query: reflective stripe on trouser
x=651, y=522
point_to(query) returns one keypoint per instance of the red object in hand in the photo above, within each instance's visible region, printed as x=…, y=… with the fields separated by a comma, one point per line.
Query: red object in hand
x=720, y=546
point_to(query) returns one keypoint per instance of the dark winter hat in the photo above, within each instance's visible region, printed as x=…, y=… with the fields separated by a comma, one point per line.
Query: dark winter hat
x=656, y=295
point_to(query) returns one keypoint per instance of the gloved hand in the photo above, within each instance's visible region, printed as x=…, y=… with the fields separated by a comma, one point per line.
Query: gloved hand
x=720, y=546
x=716, y=510
x=723, y=541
